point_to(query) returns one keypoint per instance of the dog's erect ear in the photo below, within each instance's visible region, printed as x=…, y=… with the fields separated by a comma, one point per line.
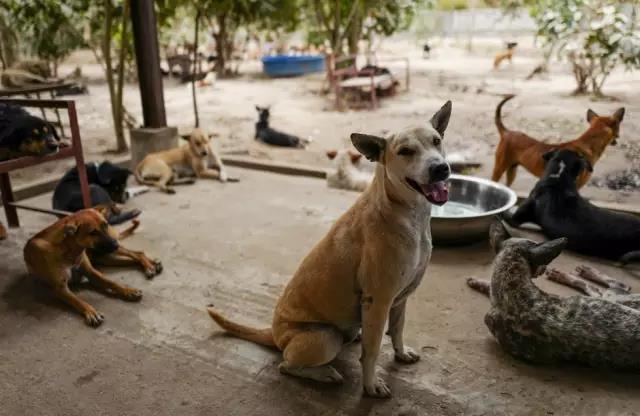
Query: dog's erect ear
x=590, y=115
x=331, y=154
x=549, y=155
x=619, y=114
x=107, y=209
x=369, y=145
x=544, y=253
x=258, y=108
x=440, y=119
x=355, y=157
x=212, y=135
x=498, y=234
x=186, y=137
x=70, y=229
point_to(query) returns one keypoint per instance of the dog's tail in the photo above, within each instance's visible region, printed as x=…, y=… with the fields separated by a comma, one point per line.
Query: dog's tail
x=259, y=336
x=499, y=125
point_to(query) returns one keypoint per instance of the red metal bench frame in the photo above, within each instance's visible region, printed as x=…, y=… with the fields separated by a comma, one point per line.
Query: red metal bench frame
x=75, y=151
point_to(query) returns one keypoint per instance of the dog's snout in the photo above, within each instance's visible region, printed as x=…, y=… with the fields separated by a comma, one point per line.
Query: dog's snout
x=439, y=172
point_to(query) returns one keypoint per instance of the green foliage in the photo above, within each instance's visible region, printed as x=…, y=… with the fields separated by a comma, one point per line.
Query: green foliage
x=596, y=36
x=46, y=27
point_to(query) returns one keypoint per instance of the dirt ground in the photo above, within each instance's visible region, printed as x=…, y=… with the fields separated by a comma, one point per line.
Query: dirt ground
x=164, y=356
x=544, y=108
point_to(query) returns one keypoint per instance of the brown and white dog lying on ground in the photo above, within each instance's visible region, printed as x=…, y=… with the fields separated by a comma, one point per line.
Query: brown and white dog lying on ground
x=359, y=276
x=516, y=148
x=349, y=171
x=60, y=254
x=162, y=168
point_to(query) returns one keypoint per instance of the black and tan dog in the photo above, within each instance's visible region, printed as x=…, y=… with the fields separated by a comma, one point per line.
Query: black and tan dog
x=60, y=253
x=22, y=134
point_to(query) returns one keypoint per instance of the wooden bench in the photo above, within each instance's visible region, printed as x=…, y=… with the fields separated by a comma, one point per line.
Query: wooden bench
x=74, y=150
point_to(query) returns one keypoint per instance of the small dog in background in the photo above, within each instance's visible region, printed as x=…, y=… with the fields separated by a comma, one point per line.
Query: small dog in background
x=107, y=185
x=426, y=51
x=274, y=137
x=350, y=171
x=22, y=134
x=161, y=169
x=506, y=54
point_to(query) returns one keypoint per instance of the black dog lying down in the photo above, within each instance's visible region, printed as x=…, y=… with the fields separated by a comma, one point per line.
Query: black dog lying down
x=22, y=134
x=107, y=185
x=557, y=207
x=544, y=328
x=271, y=136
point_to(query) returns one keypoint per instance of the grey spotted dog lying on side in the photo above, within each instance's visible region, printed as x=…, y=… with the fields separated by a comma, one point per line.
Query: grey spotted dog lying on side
x=544, y=328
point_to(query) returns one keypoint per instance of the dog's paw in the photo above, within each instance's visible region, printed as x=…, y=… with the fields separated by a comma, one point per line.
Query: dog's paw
x=158, y=265
x=408, y=356
x=378, y=389
x=93, y=318
x=223, y=176
x=132, y=295
x=170, y=191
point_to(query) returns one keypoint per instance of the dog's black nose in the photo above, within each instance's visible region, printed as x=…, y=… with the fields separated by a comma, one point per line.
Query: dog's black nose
x=439, y=172
x=52, y=147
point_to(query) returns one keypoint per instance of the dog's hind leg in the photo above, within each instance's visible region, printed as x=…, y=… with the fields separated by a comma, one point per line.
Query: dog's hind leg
x=600, y=278
x=500, y=163
x=525, y=213
x=309, y=353
x=123, y=257
x=630, y=257
x=580, y=285
x=482, y=286
x=98, y=279
x=511, y=174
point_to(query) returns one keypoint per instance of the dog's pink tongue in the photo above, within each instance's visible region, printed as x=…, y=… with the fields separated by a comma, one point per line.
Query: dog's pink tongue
x=437, y=193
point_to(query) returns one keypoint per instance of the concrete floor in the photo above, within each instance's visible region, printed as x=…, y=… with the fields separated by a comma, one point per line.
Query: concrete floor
x=236, y=245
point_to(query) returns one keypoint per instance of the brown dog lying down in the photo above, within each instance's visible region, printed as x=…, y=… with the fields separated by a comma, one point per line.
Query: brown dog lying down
x=59, y=255
x=517, y=148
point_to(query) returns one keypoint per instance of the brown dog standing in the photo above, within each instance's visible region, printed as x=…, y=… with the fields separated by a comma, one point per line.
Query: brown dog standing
x=516, y=148
x=52, y=252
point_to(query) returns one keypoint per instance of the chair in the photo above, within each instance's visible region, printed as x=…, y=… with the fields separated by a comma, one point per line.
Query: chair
x=74, y=150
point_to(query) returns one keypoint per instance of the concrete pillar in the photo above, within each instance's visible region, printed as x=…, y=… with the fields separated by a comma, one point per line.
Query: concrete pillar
x=148, y=140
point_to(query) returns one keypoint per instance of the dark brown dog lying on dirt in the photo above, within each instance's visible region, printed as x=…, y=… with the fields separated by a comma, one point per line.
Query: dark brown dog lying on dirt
x=59, y=255
x=517, y=148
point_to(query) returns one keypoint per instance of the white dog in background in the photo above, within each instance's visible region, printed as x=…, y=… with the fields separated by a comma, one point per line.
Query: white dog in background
x=350, y=170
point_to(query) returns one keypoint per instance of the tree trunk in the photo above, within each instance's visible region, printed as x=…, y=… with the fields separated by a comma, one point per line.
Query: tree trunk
x=195, y=71
x=221, y=44
x=121, y=143
x=106, y=51
x=336, y=40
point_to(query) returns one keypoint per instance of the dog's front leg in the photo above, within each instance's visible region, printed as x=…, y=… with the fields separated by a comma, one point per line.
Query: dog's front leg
x=374, y=317
x=396, y=328
x=98, y=279
x=216, y=162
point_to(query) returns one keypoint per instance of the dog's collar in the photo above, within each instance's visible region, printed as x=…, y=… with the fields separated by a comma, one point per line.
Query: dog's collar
x=560, y=171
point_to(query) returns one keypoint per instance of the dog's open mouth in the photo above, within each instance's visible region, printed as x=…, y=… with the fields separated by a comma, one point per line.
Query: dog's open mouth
x=436, y=192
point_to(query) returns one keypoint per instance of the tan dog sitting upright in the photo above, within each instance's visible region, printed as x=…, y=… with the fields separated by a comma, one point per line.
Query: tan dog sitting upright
x=361, y=273
x=160, y=169
x=517, y=148
x=55, y=252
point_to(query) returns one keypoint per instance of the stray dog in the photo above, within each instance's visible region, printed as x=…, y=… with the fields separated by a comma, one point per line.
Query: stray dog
x=557, y=207
x=274, y=137
x=161, y=168
x=516, y=148
x=507, y=54
x=426, y=51
x=361, y=273
x=544, y=328
x=65, y=245
x=349, y=173
x=22, y=134
x=107, y=184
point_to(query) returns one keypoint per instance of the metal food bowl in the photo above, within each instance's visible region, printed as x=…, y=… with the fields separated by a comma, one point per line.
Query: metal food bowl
x=466, y=217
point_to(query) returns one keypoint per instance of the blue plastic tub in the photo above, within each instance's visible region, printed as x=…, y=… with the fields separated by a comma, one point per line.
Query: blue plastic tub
x=292, y=65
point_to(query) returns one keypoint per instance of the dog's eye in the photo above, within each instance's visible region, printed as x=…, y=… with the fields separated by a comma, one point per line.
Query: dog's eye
x=437, y=141
x=406, y=151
